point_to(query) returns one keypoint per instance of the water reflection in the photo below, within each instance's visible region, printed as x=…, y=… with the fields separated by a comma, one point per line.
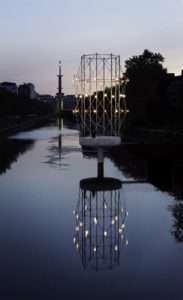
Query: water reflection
x=162, y=166
x=57, y=149
x=10, y=150
x=100, y=221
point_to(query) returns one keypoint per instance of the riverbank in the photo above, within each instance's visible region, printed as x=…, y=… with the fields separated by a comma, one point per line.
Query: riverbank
x=152, y=136
x=13, y=125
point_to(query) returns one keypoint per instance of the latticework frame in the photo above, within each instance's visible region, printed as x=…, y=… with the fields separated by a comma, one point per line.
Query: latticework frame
x=101, y=96
x=100, y=228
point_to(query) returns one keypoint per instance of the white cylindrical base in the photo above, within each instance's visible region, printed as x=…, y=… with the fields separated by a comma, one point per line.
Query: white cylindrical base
x=100, y=141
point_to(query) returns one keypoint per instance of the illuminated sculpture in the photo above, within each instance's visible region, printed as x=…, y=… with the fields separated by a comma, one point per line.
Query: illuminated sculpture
x=100, y=91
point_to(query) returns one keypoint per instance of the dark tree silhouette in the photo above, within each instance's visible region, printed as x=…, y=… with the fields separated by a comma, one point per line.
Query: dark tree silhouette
x=12, y=105
x=137, y=64
x=146, y=74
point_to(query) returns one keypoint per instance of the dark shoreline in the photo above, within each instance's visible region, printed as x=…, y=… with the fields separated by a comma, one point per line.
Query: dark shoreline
x=16, y=125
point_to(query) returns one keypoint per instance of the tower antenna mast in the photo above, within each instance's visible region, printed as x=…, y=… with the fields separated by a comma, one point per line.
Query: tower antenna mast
x=60, y=98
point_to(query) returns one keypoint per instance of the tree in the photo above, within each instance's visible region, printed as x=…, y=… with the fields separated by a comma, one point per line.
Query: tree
x=138, y=64
x=145, y=73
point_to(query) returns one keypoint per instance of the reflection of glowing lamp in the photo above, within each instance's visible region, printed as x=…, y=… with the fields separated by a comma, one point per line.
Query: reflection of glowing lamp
x=100, y=210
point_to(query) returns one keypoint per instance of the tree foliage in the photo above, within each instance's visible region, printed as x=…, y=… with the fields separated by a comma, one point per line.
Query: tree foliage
x=12, y=105
x=146, y=74
x=148, y=61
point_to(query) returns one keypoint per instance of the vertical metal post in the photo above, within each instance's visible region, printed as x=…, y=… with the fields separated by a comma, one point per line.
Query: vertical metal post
x=84, y=91
x=96, y=108
x=97, y=231
x=103, y=96
x=119, y=97
x=90, y=92
x=116, y=100
x=111, y=93
x=100, y=163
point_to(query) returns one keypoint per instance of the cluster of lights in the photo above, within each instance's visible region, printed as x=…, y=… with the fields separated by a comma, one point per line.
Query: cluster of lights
x=115, y=219
x=81, y=96
x=105, y=233
x=75, y=111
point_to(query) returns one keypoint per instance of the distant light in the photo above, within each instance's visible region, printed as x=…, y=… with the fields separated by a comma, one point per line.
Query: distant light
x=95, y=220
x=126, y=242
x=77, y=228
x=95, y=111
x=74, y=212
x=80, y=96
x=112, y=96
x=77, y=246
x=116, y=218
x=95, y=96
x=105, y=206
x=86, y=95
x=127, y=111
x=81, y=224
x=86, y=207
x=105, y=233
x=94, y=249
x=122, y=96
x=116, y=111
x=112, y=222
x=123, y=226
x=120, y=230
x=105, y=95
x=77, y=216
x=127, y=213
x=74, y=240
x=116, y=248
x=86, y=233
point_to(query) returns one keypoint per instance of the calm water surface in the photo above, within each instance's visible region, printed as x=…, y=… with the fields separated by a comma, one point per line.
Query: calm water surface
x=40, y=177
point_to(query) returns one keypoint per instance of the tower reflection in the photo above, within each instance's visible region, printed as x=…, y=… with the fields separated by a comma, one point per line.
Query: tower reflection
x=100, y=222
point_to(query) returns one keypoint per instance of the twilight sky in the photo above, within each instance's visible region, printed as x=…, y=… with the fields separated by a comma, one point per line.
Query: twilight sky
x=36, y=34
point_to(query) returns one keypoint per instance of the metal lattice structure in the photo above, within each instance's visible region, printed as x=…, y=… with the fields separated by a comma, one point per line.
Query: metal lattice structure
x=100, y=223
x=100, y=91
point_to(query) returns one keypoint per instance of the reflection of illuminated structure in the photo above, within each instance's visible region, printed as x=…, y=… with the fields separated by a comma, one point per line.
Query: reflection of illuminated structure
x=101, y=96
x=100, y=222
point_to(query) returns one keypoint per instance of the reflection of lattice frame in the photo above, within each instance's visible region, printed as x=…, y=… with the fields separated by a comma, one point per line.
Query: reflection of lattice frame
x=101, y=95
x=100, y=228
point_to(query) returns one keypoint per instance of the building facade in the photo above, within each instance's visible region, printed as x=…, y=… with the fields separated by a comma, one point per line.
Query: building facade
x=49, y=99
x=10, y=87
x=69, y=103
x=27, y=90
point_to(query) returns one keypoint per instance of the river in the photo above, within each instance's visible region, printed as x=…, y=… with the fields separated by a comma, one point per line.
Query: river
x=46, y=251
